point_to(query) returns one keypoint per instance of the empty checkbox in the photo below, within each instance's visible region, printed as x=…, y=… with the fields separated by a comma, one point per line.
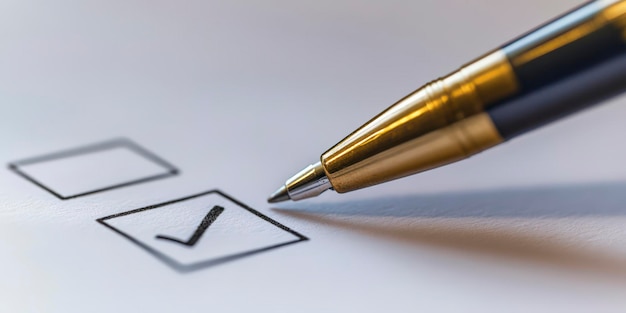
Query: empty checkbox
x=95, y=168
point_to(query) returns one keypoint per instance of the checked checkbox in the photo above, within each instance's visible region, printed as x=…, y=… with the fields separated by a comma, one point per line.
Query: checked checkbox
x=201, y=230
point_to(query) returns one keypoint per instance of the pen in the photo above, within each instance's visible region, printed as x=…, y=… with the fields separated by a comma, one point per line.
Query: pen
x=563, y=66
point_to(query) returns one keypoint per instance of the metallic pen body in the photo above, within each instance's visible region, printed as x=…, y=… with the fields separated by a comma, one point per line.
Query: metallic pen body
x=561, y=67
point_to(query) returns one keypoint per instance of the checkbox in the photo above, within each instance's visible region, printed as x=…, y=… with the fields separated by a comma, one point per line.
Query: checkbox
x=201, y=230
x=95, y=168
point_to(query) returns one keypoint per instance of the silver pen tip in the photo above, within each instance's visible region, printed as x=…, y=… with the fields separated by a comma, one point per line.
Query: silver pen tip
x=279, y=195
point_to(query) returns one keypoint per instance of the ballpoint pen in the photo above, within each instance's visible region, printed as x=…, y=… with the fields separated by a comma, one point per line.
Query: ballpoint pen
x=563, y=66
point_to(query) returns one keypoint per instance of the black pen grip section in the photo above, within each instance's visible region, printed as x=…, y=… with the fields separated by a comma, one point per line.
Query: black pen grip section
x=569, y=95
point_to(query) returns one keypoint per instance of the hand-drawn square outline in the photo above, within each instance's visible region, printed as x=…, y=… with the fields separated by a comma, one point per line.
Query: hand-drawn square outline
x=182, y=268
x=97, y=147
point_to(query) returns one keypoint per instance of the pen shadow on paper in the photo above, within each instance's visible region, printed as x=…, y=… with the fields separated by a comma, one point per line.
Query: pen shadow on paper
x=515, y=224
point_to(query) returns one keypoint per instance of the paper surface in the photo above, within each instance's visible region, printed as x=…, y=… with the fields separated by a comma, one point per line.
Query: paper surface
x=235, y=97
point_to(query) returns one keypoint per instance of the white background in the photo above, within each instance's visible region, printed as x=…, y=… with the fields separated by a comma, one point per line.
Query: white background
x=239, y=96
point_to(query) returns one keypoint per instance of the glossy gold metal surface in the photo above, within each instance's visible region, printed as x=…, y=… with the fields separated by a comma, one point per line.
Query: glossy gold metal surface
x=616, y=14
x=401, y=140
x=566, y=38
x=440, y=147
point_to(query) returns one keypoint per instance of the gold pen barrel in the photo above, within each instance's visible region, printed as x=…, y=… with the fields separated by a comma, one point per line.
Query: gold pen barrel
x=563, y=66
x=566, y=65
x=426, y=129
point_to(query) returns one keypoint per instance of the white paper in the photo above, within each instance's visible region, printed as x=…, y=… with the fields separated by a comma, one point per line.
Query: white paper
x=238, y=96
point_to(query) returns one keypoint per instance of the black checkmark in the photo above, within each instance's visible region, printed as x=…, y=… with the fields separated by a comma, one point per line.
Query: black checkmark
x=206, y=222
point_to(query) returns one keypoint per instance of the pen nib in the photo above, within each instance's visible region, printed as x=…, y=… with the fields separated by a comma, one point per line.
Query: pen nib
x=279, y=195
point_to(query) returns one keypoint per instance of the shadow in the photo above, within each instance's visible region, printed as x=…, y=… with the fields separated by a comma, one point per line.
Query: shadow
x=606, y=199
x=511, y=224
